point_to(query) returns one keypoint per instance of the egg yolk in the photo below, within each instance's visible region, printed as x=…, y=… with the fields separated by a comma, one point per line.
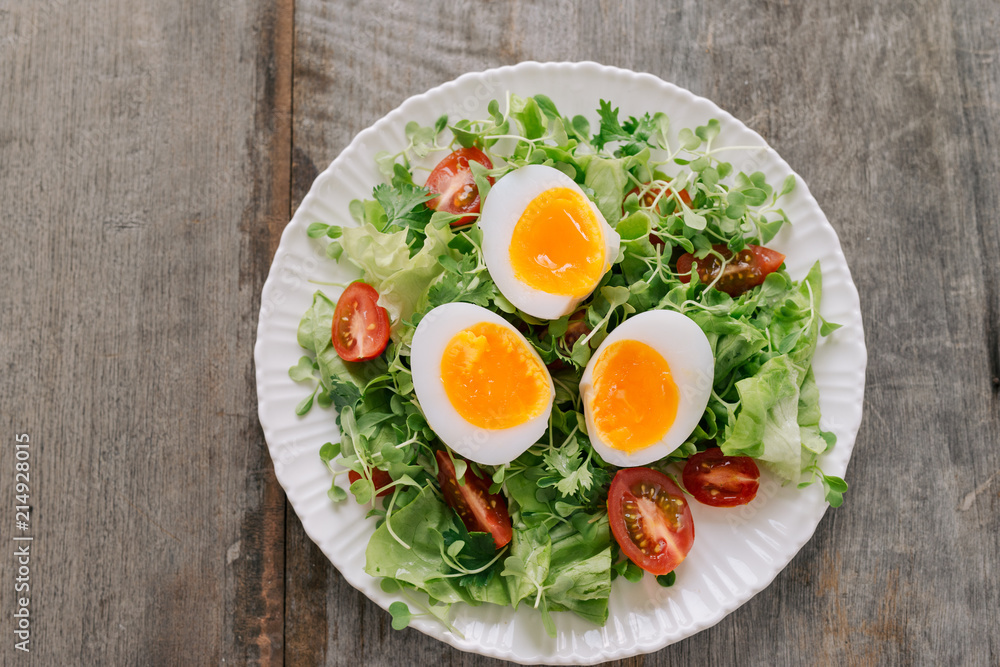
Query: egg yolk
x=635, y=397
x=492, y=379
x=557, y=245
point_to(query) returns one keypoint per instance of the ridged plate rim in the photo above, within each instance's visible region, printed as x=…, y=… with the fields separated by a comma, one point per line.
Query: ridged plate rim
x=644, y=617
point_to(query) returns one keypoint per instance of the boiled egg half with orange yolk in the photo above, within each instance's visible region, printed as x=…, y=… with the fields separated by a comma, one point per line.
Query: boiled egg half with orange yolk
x=646, y=387
x=482, y=387
x=546, y=245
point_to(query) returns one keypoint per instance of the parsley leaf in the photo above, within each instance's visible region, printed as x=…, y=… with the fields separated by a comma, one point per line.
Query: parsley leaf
x=464, y=281
x=344, y=394
x=403, y=204
x=574, y=471
x=634, y=133
x=610, y=128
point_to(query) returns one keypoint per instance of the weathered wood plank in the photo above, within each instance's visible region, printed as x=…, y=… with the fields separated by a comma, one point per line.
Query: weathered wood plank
x=145, y=161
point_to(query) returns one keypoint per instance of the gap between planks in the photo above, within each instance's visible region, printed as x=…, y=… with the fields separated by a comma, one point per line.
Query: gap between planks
x=271, y=640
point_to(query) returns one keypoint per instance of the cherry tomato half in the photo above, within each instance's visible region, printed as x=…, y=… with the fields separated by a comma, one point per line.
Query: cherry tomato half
x=480, y=510
x=380, y=479
x=742, y=273
x=452, y=180
x=650, y=519
x=360, y=325
x=719, y=480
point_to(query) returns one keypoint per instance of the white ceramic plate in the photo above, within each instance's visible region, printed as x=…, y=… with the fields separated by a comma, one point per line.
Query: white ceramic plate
x=737, y=551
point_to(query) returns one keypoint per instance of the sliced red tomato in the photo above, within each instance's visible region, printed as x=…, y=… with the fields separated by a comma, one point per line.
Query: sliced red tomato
x=719, y=480
x=380, y=479
x=360, y=325
x=480, y=510
x=742, y=273
x=452, y=180
x=650, y=519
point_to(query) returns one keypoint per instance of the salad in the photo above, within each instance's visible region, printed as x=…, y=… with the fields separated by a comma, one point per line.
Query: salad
x=534, y=486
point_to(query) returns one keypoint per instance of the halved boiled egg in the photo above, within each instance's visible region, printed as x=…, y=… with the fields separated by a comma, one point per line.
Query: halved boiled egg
x=545, y=243
x=483, y=389
x=646, y=387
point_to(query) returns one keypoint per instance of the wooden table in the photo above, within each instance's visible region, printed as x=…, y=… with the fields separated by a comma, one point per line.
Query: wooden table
x=151, y=153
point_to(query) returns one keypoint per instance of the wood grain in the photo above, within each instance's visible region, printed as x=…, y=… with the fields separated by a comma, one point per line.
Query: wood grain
x=146, y=153
x=151, y=153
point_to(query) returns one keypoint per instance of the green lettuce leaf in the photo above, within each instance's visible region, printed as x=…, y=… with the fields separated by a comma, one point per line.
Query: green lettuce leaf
x=527, y=567
x=585, y=562
x=607, y=179
x=421, y=525
x=794, y=327
x=808, y=417
x=767, y=426
x=561, y=569
x=734, y=341
x=401, y=280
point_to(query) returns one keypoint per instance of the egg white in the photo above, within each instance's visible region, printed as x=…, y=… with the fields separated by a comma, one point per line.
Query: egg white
x=485, y=446
x=684, y=346
x=502, y=209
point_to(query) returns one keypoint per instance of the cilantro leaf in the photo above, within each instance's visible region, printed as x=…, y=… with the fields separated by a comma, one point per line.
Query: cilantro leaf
x=574, y=471
x=463, y=281
x=635, y=133
x=610, y=128
x=403, y=204
x=344, y=394
x=640, y=129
